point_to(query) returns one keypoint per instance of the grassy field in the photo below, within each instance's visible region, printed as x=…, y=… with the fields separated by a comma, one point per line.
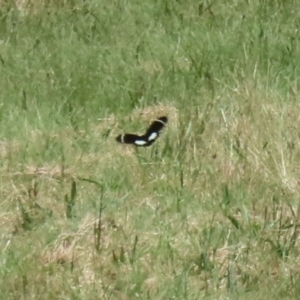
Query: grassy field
x=210, y=211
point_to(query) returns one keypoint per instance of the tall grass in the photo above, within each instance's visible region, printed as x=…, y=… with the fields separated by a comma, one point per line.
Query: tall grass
x=210, y=211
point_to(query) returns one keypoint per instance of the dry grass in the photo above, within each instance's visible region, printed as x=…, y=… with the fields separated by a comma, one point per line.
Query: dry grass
x=241, y=159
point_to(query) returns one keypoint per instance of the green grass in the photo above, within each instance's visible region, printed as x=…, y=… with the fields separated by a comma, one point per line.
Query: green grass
x=210, y=211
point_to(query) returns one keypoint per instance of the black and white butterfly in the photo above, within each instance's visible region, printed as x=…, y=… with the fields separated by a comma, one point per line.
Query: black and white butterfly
x=148, y=138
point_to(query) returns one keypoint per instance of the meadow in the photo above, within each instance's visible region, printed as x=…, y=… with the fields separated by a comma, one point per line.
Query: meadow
x=210, y=210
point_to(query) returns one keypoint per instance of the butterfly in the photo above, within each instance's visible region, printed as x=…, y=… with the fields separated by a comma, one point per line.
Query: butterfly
x=148, y=138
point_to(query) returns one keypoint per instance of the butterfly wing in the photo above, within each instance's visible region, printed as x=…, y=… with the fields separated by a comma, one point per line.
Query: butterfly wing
x=147, y=139
x=130, y=139
x=155, y=128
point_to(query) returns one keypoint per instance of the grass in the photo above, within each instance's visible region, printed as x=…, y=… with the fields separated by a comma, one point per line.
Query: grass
x=210, y=211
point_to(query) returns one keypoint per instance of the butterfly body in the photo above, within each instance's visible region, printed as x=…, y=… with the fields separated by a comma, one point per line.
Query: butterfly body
x=148, y=138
